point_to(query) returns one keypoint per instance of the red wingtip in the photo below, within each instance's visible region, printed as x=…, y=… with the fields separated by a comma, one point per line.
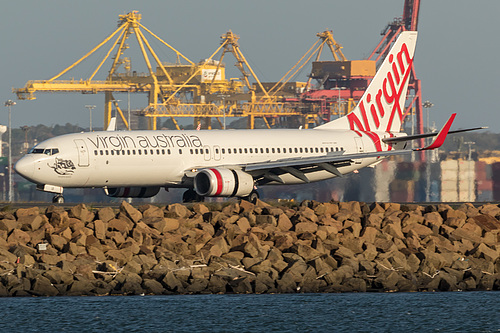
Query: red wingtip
x=439, y=140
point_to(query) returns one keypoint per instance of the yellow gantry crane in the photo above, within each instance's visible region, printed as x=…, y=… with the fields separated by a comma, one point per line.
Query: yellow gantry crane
x=188, y=89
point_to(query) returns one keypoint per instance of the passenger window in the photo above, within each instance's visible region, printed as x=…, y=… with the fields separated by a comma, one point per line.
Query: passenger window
x=223, y=151
x=101, y=152
x=272, y=150
x=300, y=149
x=229, y=150
x=163, y=151
x=95, y=152
x=107, y=152
x=157, y=151
x=216, y=150
x=262, y=150
x=251, y=150
x=306, y=149
x=139, y=151
x=206, y=151
x=296, y=150
x=278, y=150
x=321, y=149
x=168, y=151
x=180, y=151
x=133, y=151
x=241, y=151
x=191, y=151
x=145, y=151
x=246, y=151
x=151, y=151
x=316, y=149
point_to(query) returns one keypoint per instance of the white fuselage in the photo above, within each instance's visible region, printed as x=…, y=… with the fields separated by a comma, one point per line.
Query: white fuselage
x=164, y=158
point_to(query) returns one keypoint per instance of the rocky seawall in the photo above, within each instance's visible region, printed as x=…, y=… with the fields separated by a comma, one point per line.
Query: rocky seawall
x=247, y=248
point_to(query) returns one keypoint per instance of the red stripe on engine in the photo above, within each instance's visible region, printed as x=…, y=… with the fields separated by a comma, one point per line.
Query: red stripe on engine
x=219, y=181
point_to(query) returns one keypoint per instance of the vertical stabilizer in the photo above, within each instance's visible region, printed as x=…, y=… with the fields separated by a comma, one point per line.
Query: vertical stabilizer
x=382, y=106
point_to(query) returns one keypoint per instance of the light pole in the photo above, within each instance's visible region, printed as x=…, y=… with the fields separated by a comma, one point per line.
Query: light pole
x=9, y=104
x=427, y=105
x=470, y=175
x=90, y=108
x=223, y=97
x=339, y=100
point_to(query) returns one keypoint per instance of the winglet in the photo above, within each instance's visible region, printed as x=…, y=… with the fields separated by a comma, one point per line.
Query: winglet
x=439, y=140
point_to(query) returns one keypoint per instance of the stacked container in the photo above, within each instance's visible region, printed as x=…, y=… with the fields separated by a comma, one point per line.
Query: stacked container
x=449, y=181
x=484, y=184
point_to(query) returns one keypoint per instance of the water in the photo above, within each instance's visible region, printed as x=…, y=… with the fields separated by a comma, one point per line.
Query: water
x=355, y=312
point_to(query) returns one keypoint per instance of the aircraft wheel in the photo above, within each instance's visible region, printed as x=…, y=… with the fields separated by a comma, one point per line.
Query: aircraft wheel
x=252, y=197
x=58, y=199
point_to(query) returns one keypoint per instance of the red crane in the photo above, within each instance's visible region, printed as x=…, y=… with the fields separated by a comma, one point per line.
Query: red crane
x=408, y=22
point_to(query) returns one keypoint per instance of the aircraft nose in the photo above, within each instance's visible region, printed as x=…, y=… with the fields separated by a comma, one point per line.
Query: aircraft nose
x=25, y=167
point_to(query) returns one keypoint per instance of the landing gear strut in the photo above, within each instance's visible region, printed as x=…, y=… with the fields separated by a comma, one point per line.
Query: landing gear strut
x=191, y=196
x=58, y=198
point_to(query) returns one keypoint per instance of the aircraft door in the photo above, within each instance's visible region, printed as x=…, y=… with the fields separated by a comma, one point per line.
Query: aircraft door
x=83, y=153
x=206, y=153
x=217, y=153
x=360, y=148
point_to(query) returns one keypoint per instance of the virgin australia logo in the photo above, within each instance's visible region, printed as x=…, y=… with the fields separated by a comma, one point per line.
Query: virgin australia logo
x=63, y=167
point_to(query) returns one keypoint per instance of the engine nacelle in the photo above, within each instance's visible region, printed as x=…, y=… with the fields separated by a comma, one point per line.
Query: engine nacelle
x=132, y=192
x=220, y=182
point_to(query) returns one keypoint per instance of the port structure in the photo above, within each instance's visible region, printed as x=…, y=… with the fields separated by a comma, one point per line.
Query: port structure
x=201, y=91
x=180, y=89
x=334, y=87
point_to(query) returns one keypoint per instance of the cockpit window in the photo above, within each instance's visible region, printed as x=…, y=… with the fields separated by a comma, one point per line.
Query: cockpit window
x=46, y=151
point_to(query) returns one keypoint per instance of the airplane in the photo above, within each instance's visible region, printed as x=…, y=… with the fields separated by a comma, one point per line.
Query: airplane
x=233, y=163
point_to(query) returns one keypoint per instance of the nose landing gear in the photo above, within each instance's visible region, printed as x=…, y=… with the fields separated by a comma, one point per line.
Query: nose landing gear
x=58, y=198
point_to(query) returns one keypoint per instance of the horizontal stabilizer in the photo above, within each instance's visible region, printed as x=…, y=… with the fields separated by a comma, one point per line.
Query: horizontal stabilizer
x=428, y=135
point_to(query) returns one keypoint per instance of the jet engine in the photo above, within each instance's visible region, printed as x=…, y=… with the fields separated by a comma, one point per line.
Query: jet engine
x=223, y=182
x=132, y=192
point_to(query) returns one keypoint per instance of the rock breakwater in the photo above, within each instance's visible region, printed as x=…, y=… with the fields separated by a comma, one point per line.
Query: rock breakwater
x=247, y=248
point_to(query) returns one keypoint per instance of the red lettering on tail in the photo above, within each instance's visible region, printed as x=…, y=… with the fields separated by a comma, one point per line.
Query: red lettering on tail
x=392, y=89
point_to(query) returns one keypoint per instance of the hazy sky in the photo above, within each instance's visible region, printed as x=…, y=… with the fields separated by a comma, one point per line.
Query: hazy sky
x=456, y=56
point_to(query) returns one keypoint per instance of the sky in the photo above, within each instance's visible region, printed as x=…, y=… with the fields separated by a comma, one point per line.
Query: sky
x=456, y=54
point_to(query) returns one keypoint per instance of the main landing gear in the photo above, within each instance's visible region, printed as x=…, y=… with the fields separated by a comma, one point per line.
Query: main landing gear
x=252, y=197
x=191, y=196
x=58, y=198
